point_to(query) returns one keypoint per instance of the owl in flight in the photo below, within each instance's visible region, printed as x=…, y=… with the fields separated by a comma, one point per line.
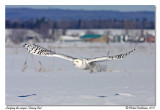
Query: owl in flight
x=81, y=63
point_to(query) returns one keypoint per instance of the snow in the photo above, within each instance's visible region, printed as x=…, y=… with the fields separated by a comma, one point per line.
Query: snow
x=36, y=80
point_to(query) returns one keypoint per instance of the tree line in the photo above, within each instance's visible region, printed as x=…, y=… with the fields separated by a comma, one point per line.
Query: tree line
x=80, y=24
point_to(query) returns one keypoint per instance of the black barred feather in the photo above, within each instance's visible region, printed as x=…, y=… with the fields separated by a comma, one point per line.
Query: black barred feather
x=37, y=50
x=116, y=57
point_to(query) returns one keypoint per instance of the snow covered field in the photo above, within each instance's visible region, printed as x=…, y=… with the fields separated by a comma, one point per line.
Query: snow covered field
x=36, y=80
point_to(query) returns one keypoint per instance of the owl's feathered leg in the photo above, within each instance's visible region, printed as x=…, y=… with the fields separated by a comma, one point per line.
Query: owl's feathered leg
x=91, y=71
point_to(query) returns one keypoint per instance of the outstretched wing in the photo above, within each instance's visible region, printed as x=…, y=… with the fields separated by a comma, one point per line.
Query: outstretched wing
x=37, y=50
x=116, y=57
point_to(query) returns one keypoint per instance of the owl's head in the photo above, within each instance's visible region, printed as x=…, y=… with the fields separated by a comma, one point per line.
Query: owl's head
x=77, y=62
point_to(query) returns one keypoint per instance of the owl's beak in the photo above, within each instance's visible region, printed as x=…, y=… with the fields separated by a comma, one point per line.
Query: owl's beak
x=24, y=45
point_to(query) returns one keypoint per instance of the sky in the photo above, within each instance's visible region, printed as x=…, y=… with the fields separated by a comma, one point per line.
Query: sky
x=90, y=7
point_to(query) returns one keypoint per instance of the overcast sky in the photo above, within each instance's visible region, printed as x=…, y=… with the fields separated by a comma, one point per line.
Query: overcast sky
x=90, y=7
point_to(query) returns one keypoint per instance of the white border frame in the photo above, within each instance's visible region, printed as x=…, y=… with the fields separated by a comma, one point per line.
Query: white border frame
x=75, y=2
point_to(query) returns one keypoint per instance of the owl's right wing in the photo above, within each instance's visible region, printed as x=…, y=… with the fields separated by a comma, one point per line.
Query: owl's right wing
x=37, y=50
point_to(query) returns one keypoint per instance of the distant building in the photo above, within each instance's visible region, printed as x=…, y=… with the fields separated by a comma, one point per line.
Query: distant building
x=69, y=39
x=150, y=38
x=140, y=39
x=92, y=38
x=119, y=38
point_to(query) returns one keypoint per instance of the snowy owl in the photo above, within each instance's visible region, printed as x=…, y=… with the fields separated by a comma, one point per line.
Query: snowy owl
x=81, y=63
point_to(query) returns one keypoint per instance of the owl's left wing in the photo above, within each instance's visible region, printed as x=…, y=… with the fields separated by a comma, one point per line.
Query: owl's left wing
x=107, y=58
